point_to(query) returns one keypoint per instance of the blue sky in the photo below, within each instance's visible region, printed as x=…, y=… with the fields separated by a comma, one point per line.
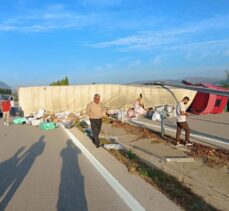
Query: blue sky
x=112, y=41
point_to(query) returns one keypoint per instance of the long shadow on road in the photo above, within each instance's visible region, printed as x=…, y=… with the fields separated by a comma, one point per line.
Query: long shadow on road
x=71, y=189
x=14, y=170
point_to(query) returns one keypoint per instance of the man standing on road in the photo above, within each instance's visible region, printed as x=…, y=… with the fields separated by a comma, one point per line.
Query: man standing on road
x=182, y=122
x=5, y=106
x=95, y=112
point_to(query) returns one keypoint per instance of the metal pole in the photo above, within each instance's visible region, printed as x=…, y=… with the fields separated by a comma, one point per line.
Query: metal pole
x=122, y=114
x=162, y=125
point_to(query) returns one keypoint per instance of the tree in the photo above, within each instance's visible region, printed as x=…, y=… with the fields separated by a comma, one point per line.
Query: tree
x=6, y=91
x=63, y=82
x=66, y=81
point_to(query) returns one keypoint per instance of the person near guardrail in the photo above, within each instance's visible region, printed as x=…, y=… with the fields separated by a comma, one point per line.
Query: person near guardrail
x=95, y=111
x=139, y=107
x=141, y=101
x=5, y=106
x=181, y=117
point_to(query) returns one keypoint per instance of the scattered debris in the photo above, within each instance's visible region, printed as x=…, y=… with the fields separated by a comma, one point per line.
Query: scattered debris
x=112, y=139
x=211, y=157
x=85, y=122
x=48, y=126
x=113, y=146
x=180, y=159
x=88, y=132
x=20, y=121
x=36, y=122
x=43, y=117
x=167, y=111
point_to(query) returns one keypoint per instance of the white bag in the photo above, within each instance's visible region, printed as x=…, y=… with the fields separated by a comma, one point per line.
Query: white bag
x=156, y=117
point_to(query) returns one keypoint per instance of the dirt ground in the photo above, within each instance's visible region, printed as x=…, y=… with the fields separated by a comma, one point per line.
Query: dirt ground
x=207, y=176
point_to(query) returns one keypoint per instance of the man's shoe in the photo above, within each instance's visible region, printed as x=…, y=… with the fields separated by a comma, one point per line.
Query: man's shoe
x=97, y=146
x=179, y=145
x=188, y=144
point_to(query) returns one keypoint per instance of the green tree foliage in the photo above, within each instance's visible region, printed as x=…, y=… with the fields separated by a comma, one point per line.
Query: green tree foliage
x=5, y=91
x=63, y=82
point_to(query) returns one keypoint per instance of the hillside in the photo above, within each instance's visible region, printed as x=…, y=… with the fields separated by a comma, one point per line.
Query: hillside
x=178, y=82
x=4, y=85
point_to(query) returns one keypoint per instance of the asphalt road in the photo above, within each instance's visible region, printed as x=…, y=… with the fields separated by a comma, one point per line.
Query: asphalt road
x=45, y=171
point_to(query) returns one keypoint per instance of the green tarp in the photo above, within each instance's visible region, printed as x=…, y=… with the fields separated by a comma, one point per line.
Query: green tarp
x=19, y=121
x=47, y=126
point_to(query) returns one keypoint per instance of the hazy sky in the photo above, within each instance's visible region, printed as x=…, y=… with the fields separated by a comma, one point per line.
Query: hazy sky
x=112, y=41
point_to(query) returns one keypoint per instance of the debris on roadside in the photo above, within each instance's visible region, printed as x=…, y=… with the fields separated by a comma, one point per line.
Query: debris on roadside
x=88, y=132
x=47, y=120
x=210, y=156
x=180, y=159
x=107, y=141
x=112, y=139
x=113, y=146
x=85, y=122
x=48, y=126
x=155, y=113
x=152, y=113
x=20, y=121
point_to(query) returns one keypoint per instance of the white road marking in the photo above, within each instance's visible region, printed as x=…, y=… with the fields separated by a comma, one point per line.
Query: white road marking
x=131, y=202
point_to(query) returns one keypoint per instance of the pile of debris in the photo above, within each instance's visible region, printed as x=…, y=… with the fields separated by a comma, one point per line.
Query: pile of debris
x=156, y=113
x=153, y=113
x=210, y=156
x=107, y=141
x=47, y=120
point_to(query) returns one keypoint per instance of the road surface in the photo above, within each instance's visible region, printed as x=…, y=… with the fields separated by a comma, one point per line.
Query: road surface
x=45, y=171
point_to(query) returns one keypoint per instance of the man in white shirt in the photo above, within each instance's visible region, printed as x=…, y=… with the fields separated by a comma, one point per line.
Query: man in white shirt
x=95, y=111
x=182, y=122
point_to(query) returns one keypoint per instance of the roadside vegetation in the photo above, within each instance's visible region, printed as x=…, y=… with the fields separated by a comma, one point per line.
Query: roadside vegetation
x=5, y=91
x=167, y=184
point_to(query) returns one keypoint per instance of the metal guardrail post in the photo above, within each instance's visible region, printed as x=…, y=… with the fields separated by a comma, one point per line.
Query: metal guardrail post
x=163, y=117
x=122, y=114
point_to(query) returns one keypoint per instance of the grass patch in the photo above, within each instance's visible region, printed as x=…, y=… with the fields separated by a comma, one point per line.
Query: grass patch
x=167, y=184
x=131, y=155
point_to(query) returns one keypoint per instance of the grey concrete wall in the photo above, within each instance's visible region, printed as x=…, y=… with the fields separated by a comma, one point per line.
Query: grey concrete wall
x=75, y=98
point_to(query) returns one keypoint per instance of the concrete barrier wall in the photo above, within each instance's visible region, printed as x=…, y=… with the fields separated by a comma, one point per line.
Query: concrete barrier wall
x=76, y=98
